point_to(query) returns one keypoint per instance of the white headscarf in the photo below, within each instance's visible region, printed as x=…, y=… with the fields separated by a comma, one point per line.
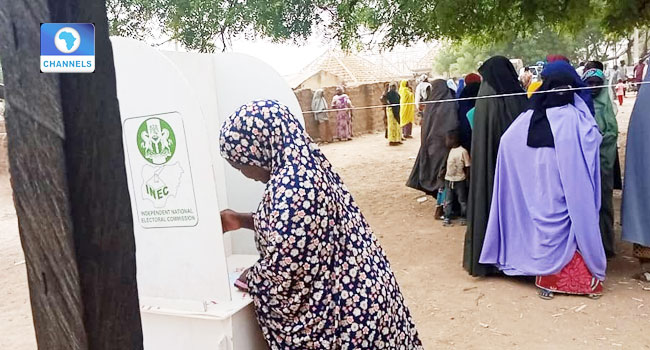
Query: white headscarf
x=318, y=105
x=421, y=90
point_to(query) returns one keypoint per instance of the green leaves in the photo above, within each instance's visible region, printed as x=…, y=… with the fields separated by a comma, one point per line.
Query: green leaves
x=131, y=18
x=208, y=25
x=590, y=43
x=624, y=15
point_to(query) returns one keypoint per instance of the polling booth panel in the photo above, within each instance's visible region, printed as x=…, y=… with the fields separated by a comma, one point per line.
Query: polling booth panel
x=172, y=106
x=236, y=79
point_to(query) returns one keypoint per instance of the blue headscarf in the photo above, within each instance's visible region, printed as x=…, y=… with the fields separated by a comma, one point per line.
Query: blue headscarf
x=555, y=75
x=461, y=86
x=566, y=68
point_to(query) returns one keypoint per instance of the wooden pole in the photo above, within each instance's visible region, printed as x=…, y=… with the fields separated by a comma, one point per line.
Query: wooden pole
x=69, y=182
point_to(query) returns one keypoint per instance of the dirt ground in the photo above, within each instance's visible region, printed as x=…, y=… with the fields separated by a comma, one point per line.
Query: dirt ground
x=451, y=309
x=16, y=329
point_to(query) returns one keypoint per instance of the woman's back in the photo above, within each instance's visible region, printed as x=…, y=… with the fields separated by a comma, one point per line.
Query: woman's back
x=492, y=117
x=322, y=280
x=545, y=203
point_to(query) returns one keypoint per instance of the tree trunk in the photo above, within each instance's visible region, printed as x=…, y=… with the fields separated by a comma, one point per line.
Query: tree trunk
x=645, y=44
x=628, y=51
x=69, y=182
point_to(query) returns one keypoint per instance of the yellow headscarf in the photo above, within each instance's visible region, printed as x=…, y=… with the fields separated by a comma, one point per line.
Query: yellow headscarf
x=407, y=106
x=534, y=86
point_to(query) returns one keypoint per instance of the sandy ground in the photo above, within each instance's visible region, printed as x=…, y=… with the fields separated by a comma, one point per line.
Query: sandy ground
x=16, y=329
x=452, y=310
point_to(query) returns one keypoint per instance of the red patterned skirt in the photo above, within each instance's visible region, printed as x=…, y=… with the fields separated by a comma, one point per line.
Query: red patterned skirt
x=574, y=278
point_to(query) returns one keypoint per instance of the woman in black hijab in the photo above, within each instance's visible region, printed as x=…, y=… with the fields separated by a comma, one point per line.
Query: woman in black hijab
x=393, y=131
x=492, y=117
x=439, y=118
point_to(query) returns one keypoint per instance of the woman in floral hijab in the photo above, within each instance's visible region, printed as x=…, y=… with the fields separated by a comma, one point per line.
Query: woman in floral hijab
x=322, y=280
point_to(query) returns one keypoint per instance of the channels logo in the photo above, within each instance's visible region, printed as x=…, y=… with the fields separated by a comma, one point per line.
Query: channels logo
x=67, y=47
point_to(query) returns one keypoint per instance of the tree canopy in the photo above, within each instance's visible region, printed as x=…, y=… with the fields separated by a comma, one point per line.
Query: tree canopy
x=590, y=43
x=207, y=25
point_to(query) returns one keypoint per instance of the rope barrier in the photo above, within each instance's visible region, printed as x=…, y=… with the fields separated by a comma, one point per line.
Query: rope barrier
x=470, y=98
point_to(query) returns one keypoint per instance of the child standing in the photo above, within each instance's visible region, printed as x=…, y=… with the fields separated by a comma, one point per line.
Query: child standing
x=620, y=91
x=458, y=163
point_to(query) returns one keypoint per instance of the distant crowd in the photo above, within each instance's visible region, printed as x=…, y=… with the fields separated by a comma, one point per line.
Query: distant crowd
x=532, y=175
x=531, y=208
x=532, y=178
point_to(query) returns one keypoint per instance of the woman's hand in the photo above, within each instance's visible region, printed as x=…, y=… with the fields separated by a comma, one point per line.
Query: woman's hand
x=242, y=282
x=230, y=220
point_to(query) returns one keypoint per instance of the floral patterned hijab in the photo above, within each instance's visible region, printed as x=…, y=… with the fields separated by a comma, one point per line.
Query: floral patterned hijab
x=322, y=280
x=264, y=133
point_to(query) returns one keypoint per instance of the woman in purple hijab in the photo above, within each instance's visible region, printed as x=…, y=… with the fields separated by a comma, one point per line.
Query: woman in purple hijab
x=544, y=214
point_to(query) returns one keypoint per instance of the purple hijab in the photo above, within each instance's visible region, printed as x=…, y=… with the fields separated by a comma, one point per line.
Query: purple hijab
x=546, y=200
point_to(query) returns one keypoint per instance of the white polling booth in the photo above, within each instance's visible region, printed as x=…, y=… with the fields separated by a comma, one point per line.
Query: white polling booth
x=172, y=106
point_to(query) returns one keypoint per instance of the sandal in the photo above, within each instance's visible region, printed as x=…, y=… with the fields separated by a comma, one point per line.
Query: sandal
x=545, y=294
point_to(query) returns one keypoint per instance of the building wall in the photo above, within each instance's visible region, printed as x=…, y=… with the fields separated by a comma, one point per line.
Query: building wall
x=364, y=121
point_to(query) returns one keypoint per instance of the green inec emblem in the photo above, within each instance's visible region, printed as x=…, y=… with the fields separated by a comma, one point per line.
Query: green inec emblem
x=156, y=141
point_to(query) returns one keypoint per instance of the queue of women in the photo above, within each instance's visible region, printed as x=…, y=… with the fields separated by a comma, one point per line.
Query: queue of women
x=400, y=113
x=542, y=175
x=540, y=187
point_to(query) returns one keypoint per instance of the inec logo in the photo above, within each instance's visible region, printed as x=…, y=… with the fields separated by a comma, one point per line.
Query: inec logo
x=67, y=47
x=156, y=141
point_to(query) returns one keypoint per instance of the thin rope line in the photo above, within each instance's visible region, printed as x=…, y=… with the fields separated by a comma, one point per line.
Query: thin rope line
x=468, y=98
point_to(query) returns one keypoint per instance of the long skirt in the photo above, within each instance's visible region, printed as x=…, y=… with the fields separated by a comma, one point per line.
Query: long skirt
x=407, y=129
x=607, y=211
x=574, y=278
x=344, y=125
x=394, y=131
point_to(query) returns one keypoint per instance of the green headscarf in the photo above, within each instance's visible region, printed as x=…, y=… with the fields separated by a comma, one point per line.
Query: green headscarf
x=593, y=73
x=606, y=119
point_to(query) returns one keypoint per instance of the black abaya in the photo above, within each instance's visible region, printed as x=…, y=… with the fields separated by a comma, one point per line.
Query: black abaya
x=492, y=117
x=438, y=120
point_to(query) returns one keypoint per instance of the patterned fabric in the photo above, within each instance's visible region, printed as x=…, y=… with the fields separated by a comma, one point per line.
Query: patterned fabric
x=322, y=280
x=343, y=117
x=641, y=252
x=574, y=278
